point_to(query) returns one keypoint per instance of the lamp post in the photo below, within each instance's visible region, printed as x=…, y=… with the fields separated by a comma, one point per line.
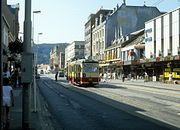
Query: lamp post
x=35, y=12
x=37, y=46
x=26, y=67
x=34, y=75
x=35, y=67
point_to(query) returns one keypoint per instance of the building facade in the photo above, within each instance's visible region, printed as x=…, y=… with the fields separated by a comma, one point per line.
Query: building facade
x=57, y=60
x=94, y=20
x=124, y=57
x=88, y=36
x=127, y=19
x=52, y=59
x=162, y=44
x=74, y=51
x=10, y=29
x=61, y=60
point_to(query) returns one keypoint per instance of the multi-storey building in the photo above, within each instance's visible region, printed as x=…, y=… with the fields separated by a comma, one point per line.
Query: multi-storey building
x=61, y=60
x=127, y=19
x=57, y=53
x=94, y=20
x=162, y=44
x=124, y=57
x=123, y=31
x=98, y=34
x=52, y=59
x=88, y=36
x=74, y=51
x=10, y=28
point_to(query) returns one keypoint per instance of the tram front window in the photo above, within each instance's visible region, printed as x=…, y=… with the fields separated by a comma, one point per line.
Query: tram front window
x=89, y=67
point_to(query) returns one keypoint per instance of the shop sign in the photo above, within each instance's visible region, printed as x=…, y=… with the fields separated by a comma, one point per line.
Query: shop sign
x=148, y=37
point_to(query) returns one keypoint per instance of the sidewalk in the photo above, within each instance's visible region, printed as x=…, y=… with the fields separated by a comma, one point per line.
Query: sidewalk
x=138, y=82
x=16, y=113
x=142, y=83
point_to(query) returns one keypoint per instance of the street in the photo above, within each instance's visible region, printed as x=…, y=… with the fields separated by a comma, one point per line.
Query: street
x=109, y=106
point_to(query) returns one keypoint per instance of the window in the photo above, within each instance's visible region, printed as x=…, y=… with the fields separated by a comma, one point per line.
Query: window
x=76, y=46
x=90, y=67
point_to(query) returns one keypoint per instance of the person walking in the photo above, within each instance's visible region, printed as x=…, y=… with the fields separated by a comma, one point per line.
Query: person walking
x=56, y=75
x=14, y=78
x=123, y=77
x=8, y=101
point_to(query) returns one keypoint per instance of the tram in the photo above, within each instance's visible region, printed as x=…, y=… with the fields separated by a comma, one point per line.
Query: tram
x=83, y=72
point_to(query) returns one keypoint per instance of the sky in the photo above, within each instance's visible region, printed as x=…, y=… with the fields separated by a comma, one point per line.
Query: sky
x=62, y=21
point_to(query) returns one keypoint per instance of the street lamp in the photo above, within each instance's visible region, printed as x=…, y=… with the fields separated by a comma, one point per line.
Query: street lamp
x=35, y=12
x=37, y=46
x=34, y=77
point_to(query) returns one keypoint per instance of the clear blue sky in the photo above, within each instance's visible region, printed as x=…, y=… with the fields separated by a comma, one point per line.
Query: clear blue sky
x=63, y=20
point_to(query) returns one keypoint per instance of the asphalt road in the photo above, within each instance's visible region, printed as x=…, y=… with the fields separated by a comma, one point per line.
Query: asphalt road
x=73, y=110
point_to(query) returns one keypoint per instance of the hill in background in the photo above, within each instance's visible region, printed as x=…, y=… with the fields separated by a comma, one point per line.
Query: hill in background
x=43, y=55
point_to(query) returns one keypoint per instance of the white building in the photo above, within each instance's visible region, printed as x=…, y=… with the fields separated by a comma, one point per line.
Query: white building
x=74, y=51
x=98, y=39
x=162, y=35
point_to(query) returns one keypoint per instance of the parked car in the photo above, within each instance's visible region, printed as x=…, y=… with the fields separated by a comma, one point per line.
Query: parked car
x=61, y=74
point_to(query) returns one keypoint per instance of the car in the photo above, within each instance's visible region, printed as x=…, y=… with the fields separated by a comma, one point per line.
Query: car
x=61, y=74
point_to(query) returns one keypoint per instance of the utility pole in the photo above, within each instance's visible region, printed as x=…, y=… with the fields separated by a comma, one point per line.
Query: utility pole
x=1, y=63
x=26, y=67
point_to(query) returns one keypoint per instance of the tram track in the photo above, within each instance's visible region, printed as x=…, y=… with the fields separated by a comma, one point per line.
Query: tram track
x=161, y=111
x=160, y=108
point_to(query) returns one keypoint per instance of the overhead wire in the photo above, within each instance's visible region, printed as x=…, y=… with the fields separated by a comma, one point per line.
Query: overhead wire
x=158, y=2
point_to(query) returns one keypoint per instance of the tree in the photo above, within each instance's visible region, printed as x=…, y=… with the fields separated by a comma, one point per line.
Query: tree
x=16, y=46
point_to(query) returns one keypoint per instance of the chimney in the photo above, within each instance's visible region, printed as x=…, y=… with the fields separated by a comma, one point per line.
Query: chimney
x=96, y=22
x=124, y=2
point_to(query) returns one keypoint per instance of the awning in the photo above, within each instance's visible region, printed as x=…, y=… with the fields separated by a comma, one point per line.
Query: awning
x=101, y=65
x=139, y=46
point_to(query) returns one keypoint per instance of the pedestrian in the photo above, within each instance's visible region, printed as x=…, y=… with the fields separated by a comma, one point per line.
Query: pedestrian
x=6, y=73
x=56, y=75
x=8, y=100
x=19, y=79
x=14, y=78
x=105, y=77
x=170, y=76
x=114, y=75
x=123, y=77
